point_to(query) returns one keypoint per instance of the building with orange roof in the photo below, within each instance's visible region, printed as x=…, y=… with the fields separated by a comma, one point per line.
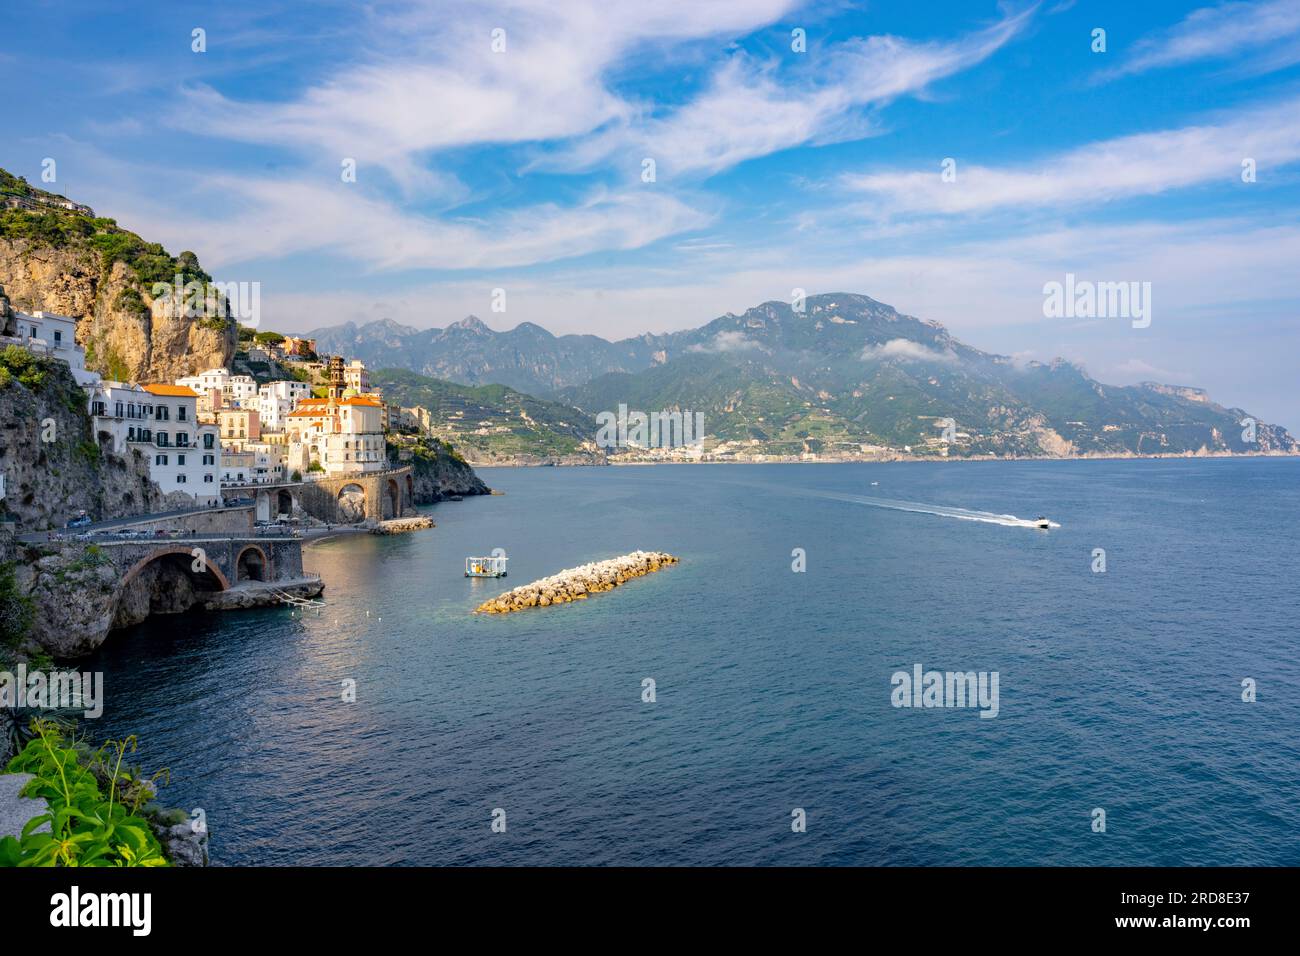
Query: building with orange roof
x=161, y=422
x=338, y=434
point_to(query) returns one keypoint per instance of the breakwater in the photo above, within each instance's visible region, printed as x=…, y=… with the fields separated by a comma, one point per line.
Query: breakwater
x=575, y=584
x=402, y=525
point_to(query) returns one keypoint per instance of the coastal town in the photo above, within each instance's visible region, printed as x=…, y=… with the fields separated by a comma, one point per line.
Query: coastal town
x=208, y=436
x=228, y=472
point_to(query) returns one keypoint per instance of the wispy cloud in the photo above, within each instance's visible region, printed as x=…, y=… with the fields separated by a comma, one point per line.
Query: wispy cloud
x=1139, y=165
x=907, y=350
x=433, y=80
x=753, y=107
x=273, y=218
x=728, y=342
x=1269, y=31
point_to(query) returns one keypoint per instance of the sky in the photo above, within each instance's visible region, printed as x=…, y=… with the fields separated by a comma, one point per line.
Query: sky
x=623, y=167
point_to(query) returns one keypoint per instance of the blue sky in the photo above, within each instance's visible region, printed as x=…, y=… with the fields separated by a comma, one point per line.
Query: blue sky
x=775, y=169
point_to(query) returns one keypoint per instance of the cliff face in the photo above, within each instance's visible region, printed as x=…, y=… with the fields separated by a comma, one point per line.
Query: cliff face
x=439, y=472
x=52, y=463
x=124, y=335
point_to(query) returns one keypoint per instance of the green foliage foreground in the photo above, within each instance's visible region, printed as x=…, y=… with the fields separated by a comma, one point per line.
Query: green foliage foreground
x=85, y=827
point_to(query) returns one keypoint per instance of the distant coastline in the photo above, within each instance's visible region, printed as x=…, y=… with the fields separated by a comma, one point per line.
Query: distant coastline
x=892, y=459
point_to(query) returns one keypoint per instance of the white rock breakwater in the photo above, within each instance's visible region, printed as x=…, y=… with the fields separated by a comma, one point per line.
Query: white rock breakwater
x=575, y=584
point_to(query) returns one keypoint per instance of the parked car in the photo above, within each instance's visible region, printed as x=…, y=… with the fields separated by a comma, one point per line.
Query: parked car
x=80, y=521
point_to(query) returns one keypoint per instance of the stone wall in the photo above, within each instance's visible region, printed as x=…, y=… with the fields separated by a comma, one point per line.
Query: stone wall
x=236, y=520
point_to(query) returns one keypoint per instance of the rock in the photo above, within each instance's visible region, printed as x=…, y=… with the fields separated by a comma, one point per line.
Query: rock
x=437, y=471
x=182, y=845
x=15, y=811
x=577, y=583
x=125, y=336
x=48, y=482
x=402, y=525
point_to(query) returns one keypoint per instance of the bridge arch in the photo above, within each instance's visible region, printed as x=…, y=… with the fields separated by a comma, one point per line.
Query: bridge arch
x=352, y=501
x=252, y=565
x=284, y=502
x=212, y=570
x=392, y=499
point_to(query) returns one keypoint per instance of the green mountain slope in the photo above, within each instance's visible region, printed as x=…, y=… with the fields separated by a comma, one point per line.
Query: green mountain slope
x=852, y=376
x=492, y=423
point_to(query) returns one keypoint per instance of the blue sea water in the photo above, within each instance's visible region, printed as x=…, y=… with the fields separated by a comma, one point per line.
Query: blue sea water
x=1119, y=690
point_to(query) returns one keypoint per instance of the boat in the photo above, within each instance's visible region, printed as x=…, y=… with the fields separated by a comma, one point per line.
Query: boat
x=1041, y=523
x=493, y=567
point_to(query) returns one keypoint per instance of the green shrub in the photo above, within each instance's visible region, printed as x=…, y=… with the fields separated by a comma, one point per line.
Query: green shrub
x=85, y=827
x=16, y=608
x=28, y=369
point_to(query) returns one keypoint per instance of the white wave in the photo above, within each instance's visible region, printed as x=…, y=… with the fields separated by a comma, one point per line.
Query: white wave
x=964, y=514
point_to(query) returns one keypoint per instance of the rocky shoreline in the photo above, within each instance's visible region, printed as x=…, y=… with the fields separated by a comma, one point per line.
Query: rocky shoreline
x=576, y=584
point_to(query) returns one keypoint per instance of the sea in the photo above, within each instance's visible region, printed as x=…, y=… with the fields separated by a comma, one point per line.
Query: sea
x=746, y=706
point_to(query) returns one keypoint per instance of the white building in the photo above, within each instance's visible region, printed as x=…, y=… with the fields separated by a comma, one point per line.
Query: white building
x=342, y=436
x=275, y=400
x=161, y=422
x=240, y=389
x=54, y=335
x=356, y=377
x=232, y=389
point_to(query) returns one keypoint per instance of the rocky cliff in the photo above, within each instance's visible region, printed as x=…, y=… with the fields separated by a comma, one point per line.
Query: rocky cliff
x=439, y=471
x=71, y=263
x=53, y=464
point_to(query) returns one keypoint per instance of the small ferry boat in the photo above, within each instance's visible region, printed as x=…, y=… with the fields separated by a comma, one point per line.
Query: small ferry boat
x=1041, y=523
x=493, y=567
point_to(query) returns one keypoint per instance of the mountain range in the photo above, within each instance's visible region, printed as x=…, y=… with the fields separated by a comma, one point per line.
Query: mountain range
x=845, y=376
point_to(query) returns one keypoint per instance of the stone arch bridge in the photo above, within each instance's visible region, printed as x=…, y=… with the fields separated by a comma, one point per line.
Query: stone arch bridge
x=211, y=563
x=125, y=580
x=372, y=496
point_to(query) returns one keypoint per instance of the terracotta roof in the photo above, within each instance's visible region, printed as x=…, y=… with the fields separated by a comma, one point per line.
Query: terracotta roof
x=362, y=400
x=175, y=391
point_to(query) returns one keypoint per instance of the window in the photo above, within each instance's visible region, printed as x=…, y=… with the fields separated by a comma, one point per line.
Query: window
x=160, y=459
x=162, y=440
x=160, y=413
x=97, y=408
x=58, y=337
x=180, y=413
x=209, y=459
x=118, y=410
x=182, y=439
x=180, y=460
x=207, y=440
x=180, y=479
x=130, y=433
x=207, y=478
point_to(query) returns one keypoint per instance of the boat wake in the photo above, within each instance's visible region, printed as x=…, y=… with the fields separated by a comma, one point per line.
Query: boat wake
x=964, y=514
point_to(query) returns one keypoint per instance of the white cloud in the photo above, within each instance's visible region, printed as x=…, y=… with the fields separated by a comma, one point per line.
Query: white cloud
x=1143, y=371
x=1138, y=165
x=1269, y=31
x=276, y=218
x=432, y=81
x=728, y=342
x=752, y=108
x=905, y=349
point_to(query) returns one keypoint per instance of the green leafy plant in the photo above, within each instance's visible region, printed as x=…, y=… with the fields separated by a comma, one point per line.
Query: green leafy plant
x=85, y=828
